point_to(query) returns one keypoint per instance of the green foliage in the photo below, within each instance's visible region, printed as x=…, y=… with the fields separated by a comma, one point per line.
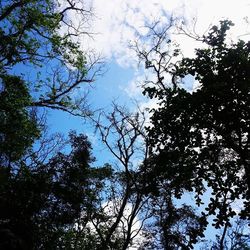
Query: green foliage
x=18, y=129
x=201, y=139
x=39, y=35
x=28, y=28
x=19, y=19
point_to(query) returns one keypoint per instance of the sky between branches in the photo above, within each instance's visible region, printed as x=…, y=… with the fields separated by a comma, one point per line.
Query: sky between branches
x=118, y=23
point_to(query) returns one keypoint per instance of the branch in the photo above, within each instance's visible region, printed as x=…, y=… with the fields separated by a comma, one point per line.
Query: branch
x=12, y=7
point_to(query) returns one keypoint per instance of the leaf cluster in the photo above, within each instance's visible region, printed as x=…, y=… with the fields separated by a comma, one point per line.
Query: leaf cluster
x=200, y=139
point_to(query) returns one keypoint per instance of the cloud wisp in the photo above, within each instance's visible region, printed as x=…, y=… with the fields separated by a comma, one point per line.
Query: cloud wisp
x=119, y=22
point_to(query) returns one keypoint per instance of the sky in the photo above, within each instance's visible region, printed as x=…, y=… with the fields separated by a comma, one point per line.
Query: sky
x=118, y=23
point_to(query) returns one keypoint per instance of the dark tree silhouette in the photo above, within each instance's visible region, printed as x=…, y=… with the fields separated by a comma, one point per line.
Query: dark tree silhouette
x=201, y=139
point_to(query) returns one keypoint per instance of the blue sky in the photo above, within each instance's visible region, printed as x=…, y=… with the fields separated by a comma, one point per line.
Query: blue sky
x=107, y=88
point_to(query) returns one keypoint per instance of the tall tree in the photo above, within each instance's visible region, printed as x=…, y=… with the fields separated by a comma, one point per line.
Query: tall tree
x=122, y=133
x=200, y=139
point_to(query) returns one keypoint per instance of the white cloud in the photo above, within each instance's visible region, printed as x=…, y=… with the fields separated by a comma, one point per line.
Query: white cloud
x=120, y=21
x=134, y=87
x=208, y=13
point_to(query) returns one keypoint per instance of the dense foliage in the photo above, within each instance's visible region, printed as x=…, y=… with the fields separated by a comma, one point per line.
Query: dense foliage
x=18, y=127
x=200, y=139
x=40, y=206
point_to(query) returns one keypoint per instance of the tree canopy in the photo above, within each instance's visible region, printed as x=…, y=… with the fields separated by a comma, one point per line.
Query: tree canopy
x=200, y=139
x=39, y=35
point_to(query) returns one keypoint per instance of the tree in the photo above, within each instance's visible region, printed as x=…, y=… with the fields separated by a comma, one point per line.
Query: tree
x=133, y=217
x=122, y=133
x=201, y=139
x=171, y=226
x=42, y=206
x=39, y=35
